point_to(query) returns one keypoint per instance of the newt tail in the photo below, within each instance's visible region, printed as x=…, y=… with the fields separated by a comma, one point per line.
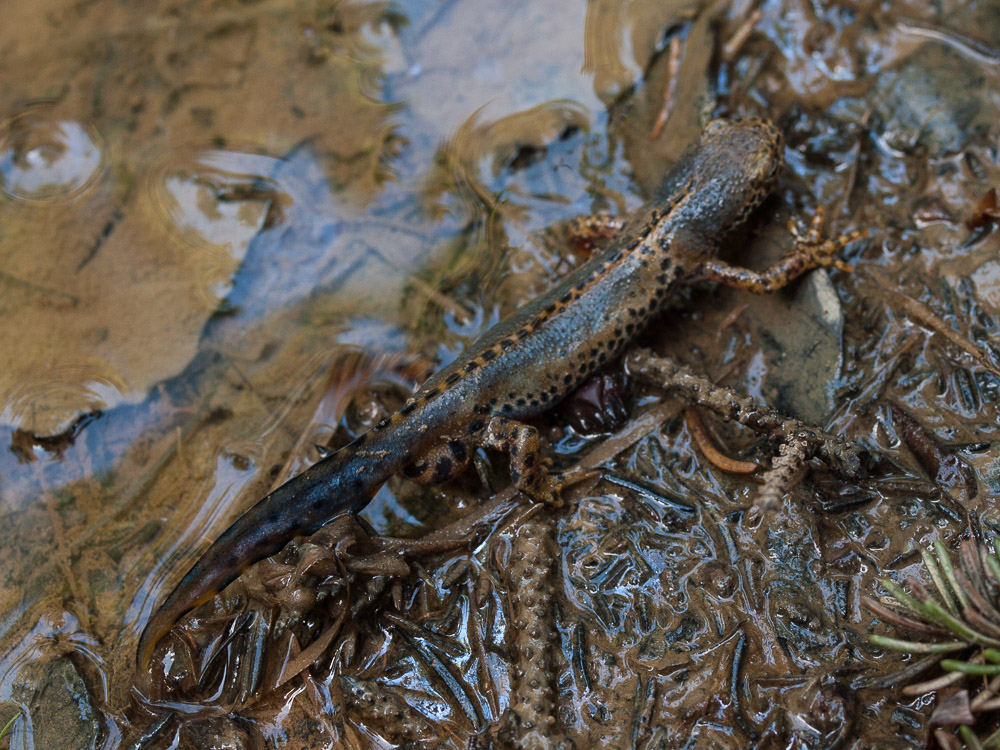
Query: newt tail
x=343, y=482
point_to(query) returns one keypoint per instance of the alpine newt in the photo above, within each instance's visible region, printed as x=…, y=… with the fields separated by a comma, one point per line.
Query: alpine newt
x=530, y=360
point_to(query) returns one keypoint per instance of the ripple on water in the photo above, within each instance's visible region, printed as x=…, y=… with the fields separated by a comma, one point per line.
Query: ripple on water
x=48, y=403
x=216, y=200
x=44, y=158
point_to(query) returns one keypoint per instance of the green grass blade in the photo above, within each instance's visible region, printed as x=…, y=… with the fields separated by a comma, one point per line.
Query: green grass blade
x=915, y=647
x=949, y=574
x=942, y=617
x=993, y=740
x=935, y=573
x=994, y=567
x=9, y=724
x=979, y=670
x=902, y=597
x=969, y=738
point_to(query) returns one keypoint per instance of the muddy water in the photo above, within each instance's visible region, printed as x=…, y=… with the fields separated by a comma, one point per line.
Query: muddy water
x=231, y=231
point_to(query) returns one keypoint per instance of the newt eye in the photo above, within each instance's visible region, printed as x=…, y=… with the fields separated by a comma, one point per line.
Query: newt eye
x=715, y=127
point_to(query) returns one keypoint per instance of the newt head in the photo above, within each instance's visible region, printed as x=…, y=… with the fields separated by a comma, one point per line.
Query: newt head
x=720, y=180
x=740, y=161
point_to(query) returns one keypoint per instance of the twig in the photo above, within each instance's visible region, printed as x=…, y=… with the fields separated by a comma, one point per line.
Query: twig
x=732, y=47
x=705, y=444
x=673, y=64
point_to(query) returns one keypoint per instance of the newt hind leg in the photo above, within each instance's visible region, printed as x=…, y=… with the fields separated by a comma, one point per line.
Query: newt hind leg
x=528, y=470
x=810, y=251
x=440, y=462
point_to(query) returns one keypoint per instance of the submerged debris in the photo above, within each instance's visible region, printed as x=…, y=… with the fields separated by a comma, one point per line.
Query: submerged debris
x=384, y=709
x=985, y=212
x=950, y=473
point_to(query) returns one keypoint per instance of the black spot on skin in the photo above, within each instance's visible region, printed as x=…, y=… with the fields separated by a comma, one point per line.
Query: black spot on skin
x=529, y=461
x=629, y=329
x=458, y=451
x=534, y=402
x=506, y=343
x=415, y=469
x=545, y=397
x=471, y=366
x=382, y=424
x=489, y=354
x=661, y=279
x=632, y=312
x=442, y=469
x=566, y=298
x=432, y=393
x=567, y=379
x=514, y=450
x=507, y=409
x=615, y=258
x=529, y=394
x=515, y=476
x=521, y=402
x=407, y=408
x=476, y=425
x=665, y=263
x=550, y=309
x=581, y=286
x=603, y=358
x=453, y=378
x=582, y=368
x=618, y=333
x=481, y=409
x=630, y=247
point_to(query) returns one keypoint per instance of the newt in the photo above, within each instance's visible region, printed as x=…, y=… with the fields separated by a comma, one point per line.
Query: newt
x=531, y=360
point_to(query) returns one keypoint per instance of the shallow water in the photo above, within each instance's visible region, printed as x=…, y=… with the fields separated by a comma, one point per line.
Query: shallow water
x=231, y=231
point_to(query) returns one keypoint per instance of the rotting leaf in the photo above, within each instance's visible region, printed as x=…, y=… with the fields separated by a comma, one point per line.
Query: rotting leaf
x=952, y=708
x=947, y=470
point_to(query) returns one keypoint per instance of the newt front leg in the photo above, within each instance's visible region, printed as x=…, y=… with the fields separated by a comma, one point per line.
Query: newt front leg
x=810, y=251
